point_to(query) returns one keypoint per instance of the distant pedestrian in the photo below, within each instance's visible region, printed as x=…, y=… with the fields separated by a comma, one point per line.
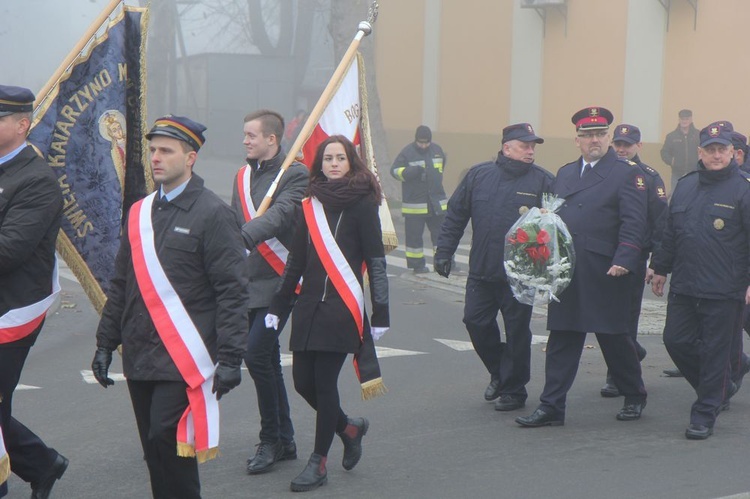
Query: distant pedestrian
x=680, y=149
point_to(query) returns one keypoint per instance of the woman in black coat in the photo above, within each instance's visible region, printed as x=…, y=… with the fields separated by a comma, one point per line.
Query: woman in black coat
x=338, y=235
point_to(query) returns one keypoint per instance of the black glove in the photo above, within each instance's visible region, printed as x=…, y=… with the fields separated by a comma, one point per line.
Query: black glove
x=226, y=377
x=100, y=366
x=443, y=266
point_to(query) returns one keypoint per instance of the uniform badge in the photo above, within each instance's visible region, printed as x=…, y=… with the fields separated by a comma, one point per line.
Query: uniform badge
x=713, y=131
x=594, y=112
x=523, y=210
x=718, y=224
x=624, y=130
x=640, y=183
x=661, y=192
x=182, y=230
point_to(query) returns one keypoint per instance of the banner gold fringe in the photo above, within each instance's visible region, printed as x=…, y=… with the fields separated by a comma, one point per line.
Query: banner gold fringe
x=390, y=240
x=188, y=450
x=373, y=388
x=4, y=468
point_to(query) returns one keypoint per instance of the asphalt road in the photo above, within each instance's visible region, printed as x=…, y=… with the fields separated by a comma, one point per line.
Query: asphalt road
x=431, y=436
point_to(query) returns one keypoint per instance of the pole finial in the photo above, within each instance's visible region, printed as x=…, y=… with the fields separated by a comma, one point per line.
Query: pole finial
x=372, y=13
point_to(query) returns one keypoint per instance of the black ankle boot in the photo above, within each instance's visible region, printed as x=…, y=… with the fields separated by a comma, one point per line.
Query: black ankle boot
x=352, y=438
x=314, y=475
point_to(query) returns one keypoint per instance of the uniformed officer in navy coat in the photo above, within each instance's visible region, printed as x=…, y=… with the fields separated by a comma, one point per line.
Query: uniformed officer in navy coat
x=605, y=211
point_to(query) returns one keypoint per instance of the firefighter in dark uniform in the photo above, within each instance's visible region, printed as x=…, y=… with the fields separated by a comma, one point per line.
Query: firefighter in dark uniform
x=605, y=211
x=740, y=362
x=680, y=146
x=706, y=247
x=493, y=195
x=420, y=167
x=30, y=208
x=627, y=143
x=200, y=251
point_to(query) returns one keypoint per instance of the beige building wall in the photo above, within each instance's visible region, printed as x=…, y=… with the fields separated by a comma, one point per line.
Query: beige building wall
x=634, y=57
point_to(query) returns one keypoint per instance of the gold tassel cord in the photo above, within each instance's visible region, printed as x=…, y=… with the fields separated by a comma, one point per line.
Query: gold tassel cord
x=373, y=388
x=188, y=450
x=4, y=468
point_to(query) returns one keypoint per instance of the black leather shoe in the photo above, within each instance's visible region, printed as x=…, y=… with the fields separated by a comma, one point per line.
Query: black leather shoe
x=264, y=459
x=509, y=403
x=313, y=476
x=540, y=417
x=493, y=390
x=287, y=452
x=43, y=487
x=698, y=432
x=609, y=390
x=353, y=444
x=673, y=373
x=631, y=412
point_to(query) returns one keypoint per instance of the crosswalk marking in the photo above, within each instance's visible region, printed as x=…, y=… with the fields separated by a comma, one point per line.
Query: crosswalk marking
x=463, y=346
x=27, y=387
x=88, y=377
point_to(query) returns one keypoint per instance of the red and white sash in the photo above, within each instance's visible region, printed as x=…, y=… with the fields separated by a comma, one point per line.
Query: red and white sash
x=198, y=429
x=18, y=323
x=271, y=250
x=334, y=262
x=4, y=460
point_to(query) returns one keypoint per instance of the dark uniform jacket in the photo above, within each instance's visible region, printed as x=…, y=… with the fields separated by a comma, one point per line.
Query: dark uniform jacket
x=493, y=195
x=421, y=171
x=30, y=207
x=605, y=212
x=320, y=319
x=207, y=269
x=657, y=204
x=706, y=242
x=680, y=151
x=277, y=221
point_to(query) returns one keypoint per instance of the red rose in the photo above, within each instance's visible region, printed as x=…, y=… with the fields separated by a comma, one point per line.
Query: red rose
x=533, y=253
x=542, y=237
x=522, y=236
x=543, y=252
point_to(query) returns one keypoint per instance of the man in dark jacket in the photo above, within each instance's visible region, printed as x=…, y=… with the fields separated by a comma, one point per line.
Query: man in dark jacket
x=268, y=238
x=493, y=195
x=605, y=211
x=706, y=247
x=420, y=167
x=680, y=149
x=627, y=143
x=30, y=208
x=177, y=306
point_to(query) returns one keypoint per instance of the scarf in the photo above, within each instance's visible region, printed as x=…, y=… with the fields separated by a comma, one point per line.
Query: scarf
x=341, y=193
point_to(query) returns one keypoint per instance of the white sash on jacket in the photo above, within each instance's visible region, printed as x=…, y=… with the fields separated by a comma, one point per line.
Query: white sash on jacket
x=20, y=322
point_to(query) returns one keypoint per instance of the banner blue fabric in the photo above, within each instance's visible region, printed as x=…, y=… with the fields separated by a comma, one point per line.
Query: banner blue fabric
x=90, y=129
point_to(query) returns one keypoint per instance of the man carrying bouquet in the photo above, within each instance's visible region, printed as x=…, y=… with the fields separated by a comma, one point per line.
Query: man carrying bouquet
x=605, y=211
x=493, y=195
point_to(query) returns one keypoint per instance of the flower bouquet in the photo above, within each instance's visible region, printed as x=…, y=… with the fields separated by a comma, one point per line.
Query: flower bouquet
x=539, y=255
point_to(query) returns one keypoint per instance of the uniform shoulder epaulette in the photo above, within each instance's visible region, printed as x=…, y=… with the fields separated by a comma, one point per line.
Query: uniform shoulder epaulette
x=648, y=170
x=694, y=172
x=745, y=175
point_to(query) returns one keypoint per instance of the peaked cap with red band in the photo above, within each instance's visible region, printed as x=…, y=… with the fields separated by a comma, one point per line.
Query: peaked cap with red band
x=592, y=118
x=180, y=128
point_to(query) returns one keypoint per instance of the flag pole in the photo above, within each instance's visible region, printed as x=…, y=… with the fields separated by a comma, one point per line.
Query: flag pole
x=364, y=29
x=42, y=94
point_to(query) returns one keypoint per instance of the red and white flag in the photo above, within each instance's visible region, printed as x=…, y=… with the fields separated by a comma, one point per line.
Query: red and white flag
x=346, y=114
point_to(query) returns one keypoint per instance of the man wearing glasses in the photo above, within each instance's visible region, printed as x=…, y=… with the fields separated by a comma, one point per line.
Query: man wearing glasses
x=605, y=211
x=420, y=167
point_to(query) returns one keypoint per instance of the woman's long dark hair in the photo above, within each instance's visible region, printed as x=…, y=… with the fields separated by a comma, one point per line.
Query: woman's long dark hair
x=358, y=172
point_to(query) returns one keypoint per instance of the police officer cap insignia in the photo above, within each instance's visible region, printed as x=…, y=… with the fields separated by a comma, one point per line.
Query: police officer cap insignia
x=627, y=133
x=15, y=100
x=180, y=128
x=521, y=131
x=715, y=133
x=592, y=118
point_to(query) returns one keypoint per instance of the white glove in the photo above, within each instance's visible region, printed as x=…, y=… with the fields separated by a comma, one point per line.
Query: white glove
x=272, y=321
x=378, y=332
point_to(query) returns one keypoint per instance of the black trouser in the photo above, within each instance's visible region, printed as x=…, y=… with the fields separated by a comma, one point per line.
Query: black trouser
x=738, y=360
x=698, y=336
x=564, y=355
x=414, y=228
x=263, y=360
x=30, y=458
x=510, y=362
x=158, y=407
x=316, y=376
